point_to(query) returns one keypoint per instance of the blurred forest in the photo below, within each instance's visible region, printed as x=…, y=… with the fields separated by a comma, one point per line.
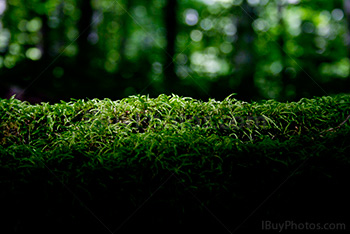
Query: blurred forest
x=53, y=50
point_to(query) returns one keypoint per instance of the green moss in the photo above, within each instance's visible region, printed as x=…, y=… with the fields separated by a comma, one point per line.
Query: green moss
x=101, y=122
x=222, y=151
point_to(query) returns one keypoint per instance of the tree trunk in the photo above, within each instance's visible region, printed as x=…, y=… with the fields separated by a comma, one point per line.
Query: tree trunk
x=84, y=30
x=45, y=38
x=170, y=79
x=280, y=41
x=125, y=28
x=245, y=57
x=347, y=13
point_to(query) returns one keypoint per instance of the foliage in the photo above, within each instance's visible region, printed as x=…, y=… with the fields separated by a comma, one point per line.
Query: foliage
x=106, y=48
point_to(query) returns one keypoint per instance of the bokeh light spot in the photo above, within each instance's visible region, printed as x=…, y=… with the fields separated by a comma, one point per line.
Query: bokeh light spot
x=33, y=53
x=22, y=25
x=10, y=61
x=196, y=35
x=293, y=1
x=191, y=17
x=140, y=11
x=34, y=25
x=260, y=25
x=206, y=24
x=337, y=14
x=253, y=2
x=2, y=6
x=308, y=27
x=14, y=49
x=226, y=47
x=181, y=59
x=276, y=67
x=4, y=39
x=230, y=29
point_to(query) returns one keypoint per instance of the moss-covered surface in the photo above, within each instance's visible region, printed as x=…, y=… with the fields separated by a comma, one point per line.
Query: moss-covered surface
x=173, y=163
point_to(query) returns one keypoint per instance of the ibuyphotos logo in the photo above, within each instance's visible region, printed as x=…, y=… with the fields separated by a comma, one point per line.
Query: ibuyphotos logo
x=290, y=225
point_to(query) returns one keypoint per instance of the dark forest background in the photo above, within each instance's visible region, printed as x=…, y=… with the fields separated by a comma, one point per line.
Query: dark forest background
x=53, y=50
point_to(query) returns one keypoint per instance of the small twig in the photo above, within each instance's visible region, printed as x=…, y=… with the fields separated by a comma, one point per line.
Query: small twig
x=332, y=129
x=347, y=118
